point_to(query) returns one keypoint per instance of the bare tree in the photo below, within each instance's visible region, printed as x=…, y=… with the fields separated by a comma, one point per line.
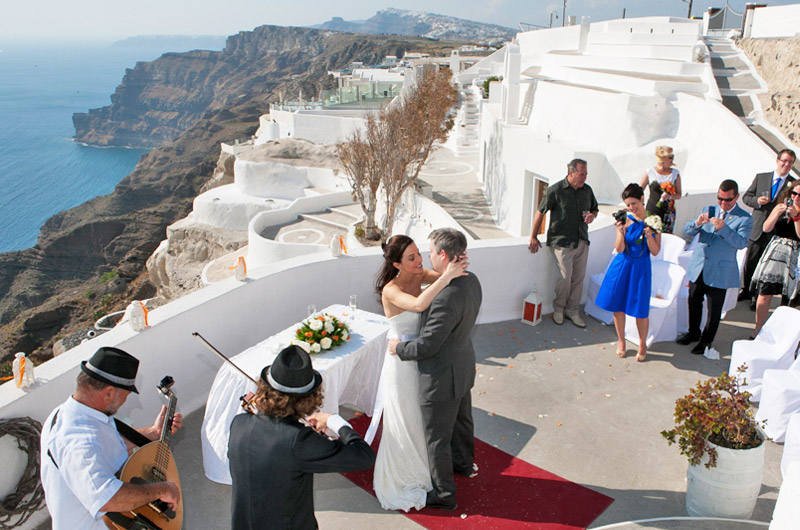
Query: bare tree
x=396, y=142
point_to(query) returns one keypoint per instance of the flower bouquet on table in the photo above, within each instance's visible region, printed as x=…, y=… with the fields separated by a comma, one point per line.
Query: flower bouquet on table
x=323, y=332
x=668, y=190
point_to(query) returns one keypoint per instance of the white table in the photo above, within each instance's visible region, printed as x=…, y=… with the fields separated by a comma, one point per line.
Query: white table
x=350, y=376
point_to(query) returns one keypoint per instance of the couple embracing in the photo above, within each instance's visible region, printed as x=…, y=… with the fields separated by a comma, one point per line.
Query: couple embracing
x=428, y=372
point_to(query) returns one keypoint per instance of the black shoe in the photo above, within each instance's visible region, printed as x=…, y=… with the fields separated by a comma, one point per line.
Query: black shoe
x=687, y=338
x=753, y=304
x=434, y=501
x=700, y=347
x=743, y=295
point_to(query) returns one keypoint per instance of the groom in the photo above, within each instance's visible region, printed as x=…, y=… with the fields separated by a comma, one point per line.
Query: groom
x=446, y=362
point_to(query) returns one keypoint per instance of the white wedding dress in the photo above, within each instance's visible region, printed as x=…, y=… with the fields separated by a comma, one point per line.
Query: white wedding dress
x=401, y=477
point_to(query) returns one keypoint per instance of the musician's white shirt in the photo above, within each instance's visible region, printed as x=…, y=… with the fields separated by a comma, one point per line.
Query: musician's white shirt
x=88, y=449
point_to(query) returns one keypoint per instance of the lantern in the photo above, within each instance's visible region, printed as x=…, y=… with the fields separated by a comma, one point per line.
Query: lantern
x=532, y=309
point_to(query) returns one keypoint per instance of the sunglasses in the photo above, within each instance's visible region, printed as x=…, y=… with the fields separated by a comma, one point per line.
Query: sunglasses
x=797, y=193
x=723, y=199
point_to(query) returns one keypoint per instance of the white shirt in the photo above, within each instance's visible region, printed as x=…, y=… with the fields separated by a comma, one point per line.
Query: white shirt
x=85, y=444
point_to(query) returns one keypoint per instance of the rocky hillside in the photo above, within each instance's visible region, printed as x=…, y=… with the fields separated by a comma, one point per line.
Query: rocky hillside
x=187, y=103
x=403, y=22
x=778, y=63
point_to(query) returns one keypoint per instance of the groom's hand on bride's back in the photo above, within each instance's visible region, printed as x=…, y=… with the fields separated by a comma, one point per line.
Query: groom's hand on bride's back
x=392, y=345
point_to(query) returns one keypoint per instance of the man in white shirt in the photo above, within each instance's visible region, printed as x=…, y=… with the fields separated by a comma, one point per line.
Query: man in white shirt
x=761, y=197
x=81, y=449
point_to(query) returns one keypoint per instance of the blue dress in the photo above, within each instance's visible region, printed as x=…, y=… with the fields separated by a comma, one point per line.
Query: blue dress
x=626, y=286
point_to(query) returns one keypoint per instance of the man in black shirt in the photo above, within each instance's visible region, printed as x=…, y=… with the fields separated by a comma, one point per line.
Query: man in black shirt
x=572, y=206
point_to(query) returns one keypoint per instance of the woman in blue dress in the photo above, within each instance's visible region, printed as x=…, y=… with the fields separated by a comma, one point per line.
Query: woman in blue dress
x=626, y=286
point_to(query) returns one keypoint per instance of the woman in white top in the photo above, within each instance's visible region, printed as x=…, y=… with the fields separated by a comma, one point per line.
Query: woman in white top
x=658, y=179
x=402, y=476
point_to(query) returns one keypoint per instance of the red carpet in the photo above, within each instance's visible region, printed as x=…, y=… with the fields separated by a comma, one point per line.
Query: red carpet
x=508, y=493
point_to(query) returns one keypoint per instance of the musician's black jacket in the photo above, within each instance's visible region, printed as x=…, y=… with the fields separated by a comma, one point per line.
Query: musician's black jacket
x=272, y=462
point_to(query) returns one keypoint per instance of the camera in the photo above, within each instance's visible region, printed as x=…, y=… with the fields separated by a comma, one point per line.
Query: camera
x=620, y=216
x=789, y=202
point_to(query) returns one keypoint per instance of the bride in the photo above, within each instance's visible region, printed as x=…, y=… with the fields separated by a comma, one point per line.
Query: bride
x=402, y=477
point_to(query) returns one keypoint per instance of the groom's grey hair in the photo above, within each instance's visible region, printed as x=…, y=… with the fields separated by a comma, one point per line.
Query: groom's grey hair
x=453, y=242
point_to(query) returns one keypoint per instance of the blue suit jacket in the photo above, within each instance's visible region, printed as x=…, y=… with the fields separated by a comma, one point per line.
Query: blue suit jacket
x=715, y=254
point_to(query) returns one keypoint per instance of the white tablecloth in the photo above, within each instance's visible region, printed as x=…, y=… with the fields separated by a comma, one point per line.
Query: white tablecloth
x=350, y=376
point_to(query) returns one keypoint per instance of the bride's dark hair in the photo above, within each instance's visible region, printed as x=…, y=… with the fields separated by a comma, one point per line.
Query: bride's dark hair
x=393, y=250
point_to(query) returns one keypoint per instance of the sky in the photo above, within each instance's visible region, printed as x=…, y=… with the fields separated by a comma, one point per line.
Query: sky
x=115, y=19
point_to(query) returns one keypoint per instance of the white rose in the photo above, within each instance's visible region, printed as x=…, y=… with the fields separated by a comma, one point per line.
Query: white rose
x=303, y=344
x=315, y=325
x=315, y=347
x=345, y=334
x=329, y=326
x=325, y=343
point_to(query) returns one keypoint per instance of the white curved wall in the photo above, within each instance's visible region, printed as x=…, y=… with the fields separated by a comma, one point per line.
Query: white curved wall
x=269, y=179
x=228, y=207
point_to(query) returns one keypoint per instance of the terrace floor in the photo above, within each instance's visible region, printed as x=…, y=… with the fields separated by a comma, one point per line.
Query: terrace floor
x=559, y=398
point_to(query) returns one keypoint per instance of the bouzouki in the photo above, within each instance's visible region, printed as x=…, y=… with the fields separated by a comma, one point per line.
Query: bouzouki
x=152, y=462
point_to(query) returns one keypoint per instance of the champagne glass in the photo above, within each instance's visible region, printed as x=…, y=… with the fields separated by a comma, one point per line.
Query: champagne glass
x=311, y=309
x=353, y=302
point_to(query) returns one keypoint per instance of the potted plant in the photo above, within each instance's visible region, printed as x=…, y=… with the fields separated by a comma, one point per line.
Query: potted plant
x=715, y=428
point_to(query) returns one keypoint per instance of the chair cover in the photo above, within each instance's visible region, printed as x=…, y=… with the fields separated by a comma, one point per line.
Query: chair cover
x=595, y=281
x=773, y=348
x=780, y=398
x=791, y=445
x=667, y=280
x=787, y=509
x=671, y=248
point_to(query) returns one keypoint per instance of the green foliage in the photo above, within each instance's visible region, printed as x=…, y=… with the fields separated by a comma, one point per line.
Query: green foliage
x=89, y=294
x=98, y=314
x=106, y=300
x=6, y=369
x=716, y=411
x=487, y=82
x=106, y=276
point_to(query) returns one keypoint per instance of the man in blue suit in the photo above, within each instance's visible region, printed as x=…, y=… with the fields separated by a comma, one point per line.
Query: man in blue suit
x=713, y=268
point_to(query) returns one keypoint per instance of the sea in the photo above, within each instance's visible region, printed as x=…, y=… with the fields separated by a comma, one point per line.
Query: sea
x=42, y=170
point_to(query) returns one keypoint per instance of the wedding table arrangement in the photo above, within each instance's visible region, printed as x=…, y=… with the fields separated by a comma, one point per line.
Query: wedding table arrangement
x=350, y=375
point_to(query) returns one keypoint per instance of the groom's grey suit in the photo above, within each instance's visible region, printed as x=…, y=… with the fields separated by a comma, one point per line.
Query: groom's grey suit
x=446, y=361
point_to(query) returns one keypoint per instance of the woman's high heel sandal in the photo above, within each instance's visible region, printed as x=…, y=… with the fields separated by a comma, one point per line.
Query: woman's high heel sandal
x=641, y=358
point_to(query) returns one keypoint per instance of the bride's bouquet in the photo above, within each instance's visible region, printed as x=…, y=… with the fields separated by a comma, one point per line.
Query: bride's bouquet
x=323, y=332
x=655, y=223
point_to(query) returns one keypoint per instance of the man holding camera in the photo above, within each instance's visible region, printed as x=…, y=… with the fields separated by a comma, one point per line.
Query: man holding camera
x=713, y=269
x=761, y=196
x=572, y=207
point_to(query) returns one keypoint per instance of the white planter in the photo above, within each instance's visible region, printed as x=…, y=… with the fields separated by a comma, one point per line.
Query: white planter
x=728, y=490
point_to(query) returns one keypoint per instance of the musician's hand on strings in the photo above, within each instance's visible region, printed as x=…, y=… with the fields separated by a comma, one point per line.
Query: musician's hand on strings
x=171, y=494
x=319, y=420
x=154, y=432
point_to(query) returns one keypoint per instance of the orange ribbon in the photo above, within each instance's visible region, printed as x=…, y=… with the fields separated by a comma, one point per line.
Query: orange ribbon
x=244, y=265
x=341, y=244
x=21, y=371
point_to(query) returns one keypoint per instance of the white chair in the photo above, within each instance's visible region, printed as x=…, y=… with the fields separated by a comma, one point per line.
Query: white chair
x=787, y=508
x=671, y=248
x=773, y=348
x=791, y=444
x=595, y=281
x=780, y=398
x=666, y=282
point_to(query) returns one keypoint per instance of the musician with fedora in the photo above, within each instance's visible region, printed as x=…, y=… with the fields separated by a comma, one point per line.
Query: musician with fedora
x=273, y=456
x=82, y=448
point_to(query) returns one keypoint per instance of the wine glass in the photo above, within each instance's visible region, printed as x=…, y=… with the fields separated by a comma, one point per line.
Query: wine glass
x=353, y=302
x=311, y=309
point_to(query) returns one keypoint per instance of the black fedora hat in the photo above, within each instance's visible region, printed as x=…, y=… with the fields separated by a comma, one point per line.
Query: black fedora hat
x=292, y=373
x=113, y=367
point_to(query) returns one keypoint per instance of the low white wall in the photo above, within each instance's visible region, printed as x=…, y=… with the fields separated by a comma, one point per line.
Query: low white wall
x=776, y=21
x=230, y=208
x=235, y=315
x=322, y=127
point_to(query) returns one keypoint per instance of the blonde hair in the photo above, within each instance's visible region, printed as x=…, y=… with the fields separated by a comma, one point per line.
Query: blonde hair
x=663, y=151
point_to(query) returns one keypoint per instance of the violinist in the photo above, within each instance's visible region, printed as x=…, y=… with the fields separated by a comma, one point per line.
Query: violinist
x=273, y=455
x=82, y=448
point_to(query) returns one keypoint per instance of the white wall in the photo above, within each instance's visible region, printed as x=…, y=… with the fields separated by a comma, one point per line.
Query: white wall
x=776, y=21
x=322, y=127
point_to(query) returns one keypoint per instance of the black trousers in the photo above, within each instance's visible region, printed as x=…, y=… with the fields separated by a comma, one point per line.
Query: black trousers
x=754, y=251
x=716, y=297
x=450, y=437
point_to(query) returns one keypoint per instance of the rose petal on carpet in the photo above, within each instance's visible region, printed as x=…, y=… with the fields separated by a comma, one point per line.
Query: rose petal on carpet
x=507, y=493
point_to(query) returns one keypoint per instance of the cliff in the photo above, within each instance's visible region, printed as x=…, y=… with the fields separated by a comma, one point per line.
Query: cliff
x=778, y=63
x=186, y=103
